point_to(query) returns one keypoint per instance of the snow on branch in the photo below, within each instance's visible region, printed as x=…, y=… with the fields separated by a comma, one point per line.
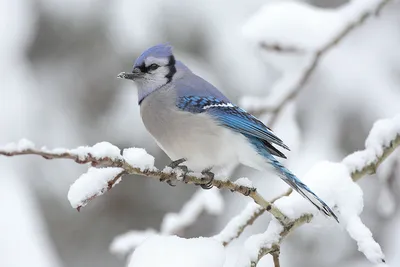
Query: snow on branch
x=209, y=201
x=289, y=211
x=175, y=251
x=310, y=42
x=382, y=140
x=131, y=163
x=338, y=190
x=93, y=183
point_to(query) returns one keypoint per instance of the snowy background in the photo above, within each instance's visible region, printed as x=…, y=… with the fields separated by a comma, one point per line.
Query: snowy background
x=58, y=64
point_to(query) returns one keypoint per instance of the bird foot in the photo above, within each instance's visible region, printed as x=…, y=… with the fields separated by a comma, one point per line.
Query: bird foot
x=210, y=176
x=175, y=165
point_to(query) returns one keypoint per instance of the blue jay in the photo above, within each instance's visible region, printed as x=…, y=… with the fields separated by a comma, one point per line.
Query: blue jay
x=193, y=122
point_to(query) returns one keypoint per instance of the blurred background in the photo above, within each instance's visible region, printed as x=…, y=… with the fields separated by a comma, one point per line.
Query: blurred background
x=58, y=66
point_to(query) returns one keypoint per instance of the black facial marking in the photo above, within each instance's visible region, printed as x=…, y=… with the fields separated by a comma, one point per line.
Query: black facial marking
x=171, y=67
x=143, y=68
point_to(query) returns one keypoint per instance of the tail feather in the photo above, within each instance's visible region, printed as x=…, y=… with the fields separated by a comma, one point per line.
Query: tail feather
x=301, y=188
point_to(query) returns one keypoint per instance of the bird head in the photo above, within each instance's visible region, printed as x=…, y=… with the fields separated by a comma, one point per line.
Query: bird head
x=154, y=68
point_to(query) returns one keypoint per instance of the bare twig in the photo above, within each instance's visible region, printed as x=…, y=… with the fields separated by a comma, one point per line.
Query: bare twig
x=280, y=48
x=275, y=257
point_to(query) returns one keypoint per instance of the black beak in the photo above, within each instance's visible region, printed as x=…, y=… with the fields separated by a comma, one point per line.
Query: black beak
x=136, y=73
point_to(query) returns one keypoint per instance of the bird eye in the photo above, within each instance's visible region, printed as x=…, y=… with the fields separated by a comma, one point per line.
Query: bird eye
x=153, y=67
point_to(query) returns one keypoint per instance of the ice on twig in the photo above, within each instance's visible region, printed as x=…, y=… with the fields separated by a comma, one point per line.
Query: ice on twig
x=138, y=158
x=161, y=251
x=91, y=184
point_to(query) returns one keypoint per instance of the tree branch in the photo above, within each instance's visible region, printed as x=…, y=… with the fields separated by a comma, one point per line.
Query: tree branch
x=175, y=175
x=373, y=166
x=275, y=257
x=314, y=61
x=287, y=229
x=167, y=175
x=276, y=110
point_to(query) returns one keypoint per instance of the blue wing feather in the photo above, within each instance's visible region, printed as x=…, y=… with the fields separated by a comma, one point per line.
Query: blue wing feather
x=259, y=135
x=230, y=116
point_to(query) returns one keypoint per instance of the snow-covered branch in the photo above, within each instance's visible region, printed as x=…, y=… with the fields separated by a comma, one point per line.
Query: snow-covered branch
x=288, y=87
x=132, y=161
x=209, y=201
x=290, y=210
x=345, y=20
x=381, y=142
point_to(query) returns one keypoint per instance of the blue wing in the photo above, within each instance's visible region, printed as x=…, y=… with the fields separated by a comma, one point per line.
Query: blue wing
x=233, y=117
x=259, y=135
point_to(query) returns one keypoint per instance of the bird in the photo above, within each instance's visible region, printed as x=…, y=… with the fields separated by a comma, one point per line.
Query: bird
x=193, y=122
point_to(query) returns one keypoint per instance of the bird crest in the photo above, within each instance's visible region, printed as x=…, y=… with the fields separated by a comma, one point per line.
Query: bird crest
x=157, y=51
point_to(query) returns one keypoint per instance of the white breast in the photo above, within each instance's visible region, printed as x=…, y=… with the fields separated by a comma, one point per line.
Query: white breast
x=196, y=137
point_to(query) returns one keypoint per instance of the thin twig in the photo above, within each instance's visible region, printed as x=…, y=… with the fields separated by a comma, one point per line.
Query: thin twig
x=275, y=257
x=287, y=229
x=315, y=58
x=373, y=166
x=280, y=48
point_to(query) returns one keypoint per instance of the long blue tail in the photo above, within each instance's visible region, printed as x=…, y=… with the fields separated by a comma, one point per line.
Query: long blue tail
x=300, y=187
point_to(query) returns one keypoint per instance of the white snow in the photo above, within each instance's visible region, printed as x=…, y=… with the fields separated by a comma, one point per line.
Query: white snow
x=380, y=136
x=91, y=184
x=244, y=182
x=302, y=29
x=99, y=150
x=300, y=25
x=105, y=149
x=126, y=243
x=138, y=158
x=22, y=145
x=210, y=201
x=333, y=184
x=366, y=243
x=232, y=228
x=173, y=251
x=265, y=240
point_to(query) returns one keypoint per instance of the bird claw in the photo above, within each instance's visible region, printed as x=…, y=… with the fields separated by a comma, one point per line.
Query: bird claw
x=210, y=175
x=176, y=163
x=169, y=182
x=184, y=170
